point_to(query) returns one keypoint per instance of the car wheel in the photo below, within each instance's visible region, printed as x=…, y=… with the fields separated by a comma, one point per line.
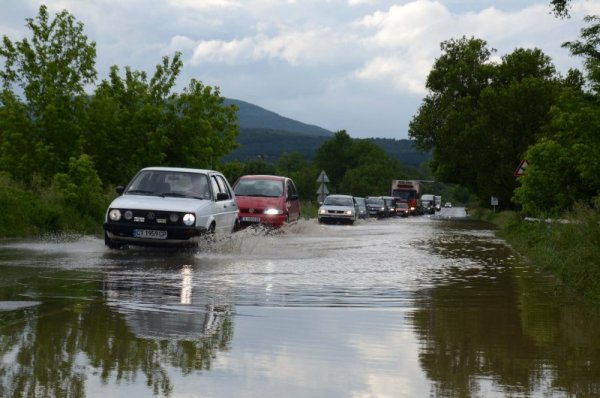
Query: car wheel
x=209, y=235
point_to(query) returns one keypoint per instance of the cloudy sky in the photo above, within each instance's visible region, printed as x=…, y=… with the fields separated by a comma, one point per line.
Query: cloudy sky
x=358, y=65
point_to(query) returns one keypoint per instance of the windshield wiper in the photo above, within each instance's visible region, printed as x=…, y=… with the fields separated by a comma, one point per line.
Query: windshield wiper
x=141, y=192
x=181, y=195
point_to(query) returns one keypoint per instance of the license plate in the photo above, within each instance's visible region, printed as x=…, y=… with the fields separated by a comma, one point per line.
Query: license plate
x=149, y=233
x=251, y=219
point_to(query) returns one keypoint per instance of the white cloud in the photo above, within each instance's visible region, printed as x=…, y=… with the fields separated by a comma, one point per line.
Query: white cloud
x=290, y=55
x=204, y=5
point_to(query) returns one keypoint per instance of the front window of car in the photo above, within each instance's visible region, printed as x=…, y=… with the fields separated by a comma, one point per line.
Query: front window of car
x=259, y=187
x=374, y=201
x=170, y=183
x=338, y=201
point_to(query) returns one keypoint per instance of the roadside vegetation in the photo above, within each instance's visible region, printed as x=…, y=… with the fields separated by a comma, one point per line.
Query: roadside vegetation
x=64, y=149
x=568, y=247
x=481, y=118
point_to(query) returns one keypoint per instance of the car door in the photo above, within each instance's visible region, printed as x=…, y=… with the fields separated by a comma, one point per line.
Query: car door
x=225, y=206
x=293, y=201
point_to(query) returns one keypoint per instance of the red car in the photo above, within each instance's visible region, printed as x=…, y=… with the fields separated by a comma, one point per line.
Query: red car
x=266, y=199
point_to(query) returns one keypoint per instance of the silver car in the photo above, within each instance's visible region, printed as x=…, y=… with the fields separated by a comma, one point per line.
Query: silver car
x=166, y=206
x=338, y=208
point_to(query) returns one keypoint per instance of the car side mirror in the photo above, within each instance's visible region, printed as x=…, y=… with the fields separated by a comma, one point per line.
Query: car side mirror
x=222, y=196
x=120, y=189
x=292, y=197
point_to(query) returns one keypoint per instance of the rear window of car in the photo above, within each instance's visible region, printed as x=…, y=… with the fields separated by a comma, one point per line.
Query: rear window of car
x=259, y=187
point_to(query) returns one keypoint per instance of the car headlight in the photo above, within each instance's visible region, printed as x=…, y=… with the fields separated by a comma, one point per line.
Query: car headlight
x=114, y=214
x=189, y=219
x=128, y=215
x=322, y=211
x=349, y=212
x=273, y=212
x=173, y=217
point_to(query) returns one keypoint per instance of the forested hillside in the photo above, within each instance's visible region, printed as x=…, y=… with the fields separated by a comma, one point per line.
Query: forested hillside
x=267, y=135
x=251, y=116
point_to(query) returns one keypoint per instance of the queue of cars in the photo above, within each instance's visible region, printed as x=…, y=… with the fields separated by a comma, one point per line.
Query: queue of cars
x=169, y=206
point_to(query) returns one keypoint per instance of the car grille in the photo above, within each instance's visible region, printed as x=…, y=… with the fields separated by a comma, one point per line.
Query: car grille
x=152, y=218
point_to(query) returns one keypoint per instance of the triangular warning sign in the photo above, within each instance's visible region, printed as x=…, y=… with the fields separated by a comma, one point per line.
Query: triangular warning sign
x=521, y=169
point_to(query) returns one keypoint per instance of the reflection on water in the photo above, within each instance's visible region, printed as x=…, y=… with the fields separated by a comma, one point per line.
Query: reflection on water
x=385, y=308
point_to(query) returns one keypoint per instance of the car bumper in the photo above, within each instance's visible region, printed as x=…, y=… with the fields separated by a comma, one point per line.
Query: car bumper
x=143, y=235
x=253, y=219
x=335, y=218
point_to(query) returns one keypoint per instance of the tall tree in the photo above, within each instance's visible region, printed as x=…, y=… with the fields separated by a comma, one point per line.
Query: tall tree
x=335, y=157
x=512, y=113
x=564, y=166
x=480, y=117
x=203, y=129
x=444, y=122
x=51, y=69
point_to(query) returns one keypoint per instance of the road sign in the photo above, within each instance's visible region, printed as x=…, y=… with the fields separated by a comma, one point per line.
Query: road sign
x=323, y=177
x=323, y=190
x=521, y=169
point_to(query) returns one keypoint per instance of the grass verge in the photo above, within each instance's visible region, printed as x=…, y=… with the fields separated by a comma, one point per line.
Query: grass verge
x=569, y=248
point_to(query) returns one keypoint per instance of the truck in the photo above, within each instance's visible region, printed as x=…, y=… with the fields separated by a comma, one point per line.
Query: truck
x=408, y=191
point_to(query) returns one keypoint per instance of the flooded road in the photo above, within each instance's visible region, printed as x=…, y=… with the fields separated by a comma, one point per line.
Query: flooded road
x=416, y=307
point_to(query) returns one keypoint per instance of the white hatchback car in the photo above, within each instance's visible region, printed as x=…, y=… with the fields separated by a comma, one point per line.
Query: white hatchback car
x=338, y=208
x=166, y=206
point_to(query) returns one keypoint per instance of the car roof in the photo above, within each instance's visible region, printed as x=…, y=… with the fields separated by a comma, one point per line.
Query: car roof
x=179, y=169
x=263, y=177
x=339, y=196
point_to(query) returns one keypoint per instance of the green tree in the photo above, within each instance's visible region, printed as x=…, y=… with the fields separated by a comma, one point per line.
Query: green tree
x=564, y=166
x=512, y=112
x=51, y=69
x=560, y=8
x=589, y=49
x=445, y=121
x=480, y=118
x=303, y=172
x=17, y=153
x=335, y=157
x=82, y=188
x=203, y=129
x=130, y=126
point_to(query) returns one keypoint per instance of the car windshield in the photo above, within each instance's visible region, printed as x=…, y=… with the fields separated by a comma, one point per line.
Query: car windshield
x=259, y=187
x=338, y=201
x=374, y=201
x=170, y=183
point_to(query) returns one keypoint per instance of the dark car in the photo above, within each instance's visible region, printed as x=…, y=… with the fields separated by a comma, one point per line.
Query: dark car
x=390, y=204
x=376, y=206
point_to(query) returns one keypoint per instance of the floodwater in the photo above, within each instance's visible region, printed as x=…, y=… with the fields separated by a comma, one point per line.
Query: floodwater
x=415, y=307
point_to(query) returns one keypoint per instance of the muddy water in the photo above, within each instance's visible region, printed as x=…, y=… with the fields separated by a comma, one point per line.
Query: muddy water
x=411, y=307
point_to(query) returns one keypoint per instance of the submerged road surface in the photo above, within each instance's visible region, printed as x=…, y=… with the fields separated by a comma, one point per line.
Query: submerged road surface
x=415, y=307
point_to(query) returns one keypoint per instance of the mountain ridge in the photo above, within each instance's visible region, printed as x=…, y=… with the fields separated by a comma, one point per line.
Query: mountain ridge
x=267, y=135
x=252, y=116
